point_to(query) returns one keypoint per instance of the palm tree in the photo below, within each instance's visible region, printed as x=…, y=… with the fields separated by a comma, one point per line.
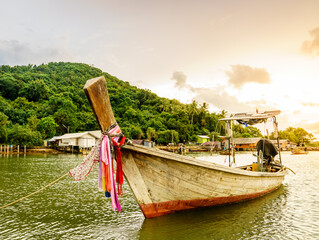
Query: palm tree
x=192, y=110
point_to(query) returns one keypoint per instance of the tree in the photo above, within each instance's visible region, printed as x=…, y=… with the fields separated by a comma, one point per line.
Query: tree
x=35, y=90
x=9, y=86
x=296, y=135
x=151, y=134
x=192, y=110
x=20, y=135
x=47, y=127
x=136, y=132
x=167, y=136
x=3, y=127
x=33, y=122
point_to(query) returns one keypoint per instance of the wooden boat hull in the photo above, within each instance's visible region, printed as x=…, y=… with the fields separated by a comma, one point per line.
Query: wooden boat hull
x=164, y=183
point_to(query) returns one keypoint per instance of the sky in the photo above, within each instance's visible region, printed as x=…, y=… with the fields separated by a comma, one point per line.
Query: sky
x=234, y=55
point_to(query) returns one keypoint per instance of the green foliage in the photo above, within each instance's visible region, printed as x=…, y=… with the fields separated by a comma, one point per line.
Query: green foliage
x=3, y=130
x=9, y=86
x=33, y=122
x=47, y=127
x=167, y=136
x=21, y=135
x=151, y=134
x=47, y=100
x=35, y=90
x=240, y=131
x=296, y=135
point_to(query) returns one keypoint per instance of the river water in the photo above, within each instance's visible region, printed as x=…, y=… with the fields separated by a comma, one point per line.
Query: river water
x=76, y=210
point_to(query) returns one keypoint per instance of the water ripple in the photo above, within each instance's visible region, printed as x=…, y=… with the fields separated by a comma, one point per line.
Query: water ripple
x=76, y=210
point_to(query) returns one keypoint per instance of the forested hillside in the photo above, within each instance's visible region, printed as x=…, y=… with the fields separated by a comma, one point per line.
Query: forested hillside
x=39, y=102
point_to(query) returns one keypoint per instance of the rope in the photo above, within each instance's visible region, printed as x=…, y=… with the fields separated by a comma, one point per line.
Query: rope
x=35, y=191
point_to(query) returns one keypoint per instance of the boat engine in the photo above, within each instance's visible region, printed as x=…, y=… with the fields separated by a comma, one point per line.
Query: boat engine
x=268, y=149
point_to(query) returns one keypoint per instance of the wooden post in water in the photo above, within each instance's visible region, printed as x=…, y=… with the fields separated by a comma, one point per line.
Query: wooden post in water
x=25, y=149
x=0, y=148
x=8, y=149
x=18, y=150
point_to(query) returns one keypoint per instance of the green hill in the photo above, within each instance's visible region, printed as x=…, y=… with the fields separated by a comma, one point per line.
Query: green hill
x=39, y=102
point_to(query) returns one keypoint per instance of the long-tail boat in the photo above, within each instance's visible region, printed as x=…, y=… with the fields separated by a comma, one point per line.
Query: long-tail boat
x=165, y=182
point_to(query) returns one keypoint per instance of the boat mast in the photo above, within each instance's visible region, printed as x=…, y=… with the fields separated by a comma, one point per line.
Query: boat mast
x=277, y=136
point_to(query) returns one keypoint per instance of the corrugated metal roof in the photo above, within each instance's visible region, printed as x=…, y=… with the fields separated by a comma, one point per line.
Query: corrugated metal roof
x=202, y=136
x=246, y=140
x=74, y=135
x=96, y=133
x=53, y=139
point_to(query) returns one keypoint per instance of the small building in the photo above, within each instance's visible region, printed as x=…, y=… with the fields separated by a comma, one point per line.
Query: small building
x=284, y=144
x=245, y=143
x=143, y=142
x=82, y=140
x=212, y=145
x=148, y=143
x=202, y=138
x=96, y=133
x=138, y=141
x=53, y=142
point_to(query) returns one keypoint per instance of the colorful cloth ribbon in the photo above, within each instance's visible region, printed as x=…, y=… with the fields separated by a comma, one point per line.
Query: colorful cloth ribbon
x=102, y=153
x=84, y=168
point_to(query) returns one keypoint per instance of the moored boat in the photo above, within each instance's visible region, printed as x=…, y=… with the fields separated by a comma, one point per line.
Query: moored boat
x=164, y=182
x=299, y=150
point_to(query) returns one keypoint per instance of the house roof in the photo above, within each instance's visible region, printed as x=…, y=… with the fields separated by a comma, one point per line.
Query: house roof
x=53, y=139
x=74, y=135
x=246, y=140
x=210, y=143
x=96, y=133
x=203, y=136
x=137, y=141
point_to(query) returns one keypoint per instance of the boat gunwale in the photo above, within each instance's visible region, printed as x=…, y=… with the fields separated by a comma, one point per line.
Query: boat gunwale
x=201, y=163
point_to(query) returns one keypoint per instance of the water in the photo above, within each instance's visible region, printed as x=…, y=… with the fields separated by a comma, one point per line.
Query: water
x=76, y=210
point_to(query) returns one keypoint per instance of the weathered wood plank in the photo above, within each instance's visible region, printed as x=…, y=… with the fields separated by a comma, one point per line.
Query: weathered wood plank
x=170, y=180
x=135, y=179
x=97, y=94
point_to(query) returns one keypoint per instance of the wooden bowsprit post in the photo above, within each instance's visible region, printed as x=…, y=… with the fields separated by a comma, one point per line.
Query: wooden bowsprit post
x=96, y=92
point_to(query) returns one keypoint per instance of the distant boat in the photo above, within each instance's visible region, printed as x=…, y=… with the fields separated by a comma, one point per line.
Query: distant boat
x=299, y=150
x=164, y=182
x=225, y=152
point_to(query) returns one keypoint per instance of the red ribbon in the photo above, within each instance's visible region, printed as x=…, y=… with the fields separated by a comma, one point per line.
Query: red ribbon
x=119, y=164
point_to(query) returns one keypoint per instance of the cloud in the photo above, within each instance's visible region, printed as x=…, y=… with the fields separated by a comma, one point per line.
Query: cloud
x=13, y=52
x=242, y=74
x=312, y=47
x=180, y=79
x=218, y=97
x=310, y=127
x=310, y=104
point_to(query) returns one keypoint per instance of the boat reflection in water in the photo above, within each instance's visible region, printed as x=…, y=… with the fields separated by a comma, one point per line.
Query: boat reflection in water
x=246, y=220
